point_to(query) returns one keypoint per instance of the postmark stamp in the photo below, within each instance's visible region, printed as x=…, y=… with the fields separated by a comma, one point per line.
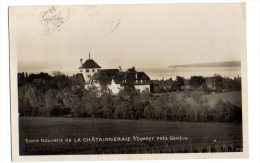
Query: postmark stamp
x=53, y=19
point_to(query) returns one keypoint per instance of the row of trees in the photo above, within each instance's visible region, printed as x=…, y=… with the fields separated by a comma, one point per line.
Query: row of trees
x=44, y=95
x=215, y=83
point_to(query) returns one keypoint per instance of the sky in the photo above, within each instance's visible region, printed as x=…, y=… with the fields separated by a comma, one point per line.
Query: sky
x=56, y=37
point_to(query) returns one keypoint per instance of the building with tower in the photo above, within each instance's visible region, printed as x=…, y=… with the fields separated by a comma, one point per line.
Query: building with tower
x=88, y=69
x=113, y=79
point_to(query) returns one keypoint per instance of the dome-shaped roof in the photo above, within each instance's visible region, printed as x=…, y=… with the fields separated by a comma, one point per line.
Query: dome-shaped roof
x=90, y=64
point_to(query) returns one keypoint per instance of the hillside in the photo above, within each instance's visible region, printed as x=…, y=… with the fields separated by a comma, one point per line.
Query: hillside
x=212, y=64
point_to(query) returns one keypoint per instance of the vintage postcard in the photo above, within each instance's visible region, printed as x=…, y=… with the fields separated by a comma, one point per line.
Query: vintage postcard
x=132, y=81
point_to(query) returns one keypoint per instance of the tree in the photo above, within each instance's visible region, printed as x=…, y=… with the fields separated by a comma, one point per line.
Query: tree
x=50, y=101
x=44, y=76
x=145, y=95
x=178, y=107
x=70, y=101
x=135, y=108
x=92, y=102
x=24, y=105
x=60, y=82
x=121, y=109
x=218, y=110
x=180, y=82
x=57, y=73
x=107, y=104
x=159, y=108
x=226, y=112
x=31, y=95
x=200, y=108
x=196, y=81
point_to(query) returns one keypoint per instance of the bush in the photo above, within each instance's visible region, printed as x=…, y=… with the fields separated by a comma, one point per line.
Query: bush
x=43, y=95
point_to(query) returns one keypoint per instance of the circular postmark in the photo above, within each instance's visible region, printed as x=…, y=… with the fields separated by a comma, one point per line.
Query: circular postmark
x=53, y=18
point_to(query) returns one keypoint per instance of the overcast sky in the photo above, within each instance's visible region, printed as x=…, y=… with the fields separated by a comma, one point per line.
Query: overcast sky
x=55, y=37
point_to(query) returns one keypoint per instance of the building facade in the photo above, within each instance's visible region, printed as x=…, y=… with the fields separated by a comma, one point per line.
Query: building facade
x=88, y=69
x=113, y=79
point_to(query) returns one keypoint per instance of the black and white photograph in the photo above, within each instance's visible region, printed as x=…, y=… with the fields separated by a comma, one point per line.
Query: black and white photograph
x=128, y=79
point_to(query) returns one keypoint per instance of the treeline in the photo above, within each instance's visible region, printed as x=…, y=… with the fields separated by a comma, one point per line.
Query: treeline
x=215, y=83
x=45, y=95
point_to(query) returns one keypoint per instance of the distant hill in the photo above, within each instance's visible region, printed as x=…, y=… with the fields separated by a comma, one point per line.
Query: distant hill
x=212, y=64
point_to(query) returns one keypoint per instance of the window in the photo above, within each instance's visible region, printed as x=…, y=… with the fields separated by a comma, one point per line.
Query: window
x=81, y=71
x=87, y=70
x=93, y=70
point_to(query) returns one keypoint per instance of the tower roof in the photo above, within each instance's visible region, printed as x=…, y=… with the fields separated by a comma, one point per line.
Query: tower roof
x=90, y=64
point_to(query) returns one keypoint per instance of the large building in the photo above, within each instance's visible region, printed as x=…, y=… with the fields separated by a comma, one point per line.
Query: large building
x=88, y=69
x=113, y=79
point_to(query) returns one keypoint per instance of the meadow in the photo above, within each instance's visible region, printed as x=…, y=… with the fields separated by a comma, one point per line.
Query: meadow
x=233, y=97
x=199, y=137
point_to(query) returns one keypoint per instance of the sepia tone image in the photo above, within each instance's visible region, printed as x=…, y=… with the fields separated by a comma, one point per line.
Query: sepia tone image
x=128, y=79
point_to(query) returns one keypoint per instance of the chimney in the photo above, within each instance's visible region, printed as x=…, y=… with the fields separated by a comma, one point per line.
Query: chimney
x=81, y=62
x=133, y=68
x=120, y=69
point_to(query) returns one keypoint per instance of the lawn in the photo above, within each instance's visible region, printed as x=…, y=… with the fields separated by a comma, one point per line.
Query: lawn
x=233, y=97
x=190, y=137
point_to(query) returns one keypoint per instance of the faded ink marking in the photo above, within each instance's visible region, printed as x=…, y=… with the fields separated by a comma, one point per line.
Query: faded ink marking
x=52, y=20
x=116, y=26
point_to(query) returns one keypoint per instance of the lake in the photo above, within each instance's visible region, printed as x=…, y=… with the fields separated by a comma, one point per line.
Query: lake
x=171, y=72
x=187, y=72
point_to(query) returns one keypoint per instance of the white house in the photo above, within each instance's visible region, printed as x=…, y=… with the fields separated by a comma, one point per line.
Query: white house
x=113, y=79
x=88, y=69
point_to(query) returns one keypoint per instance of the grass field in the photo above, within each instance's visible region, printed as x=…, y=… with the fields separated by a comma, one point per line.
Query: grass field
x=233, y=97
x=201, y=137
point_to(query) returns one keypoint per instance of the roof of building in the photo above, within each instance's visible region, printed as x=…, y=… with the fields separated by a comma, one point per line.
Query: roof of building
x=90, y=63
x=142, y=76
x=123, y=78
x=105, y=76
x=131, y=70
